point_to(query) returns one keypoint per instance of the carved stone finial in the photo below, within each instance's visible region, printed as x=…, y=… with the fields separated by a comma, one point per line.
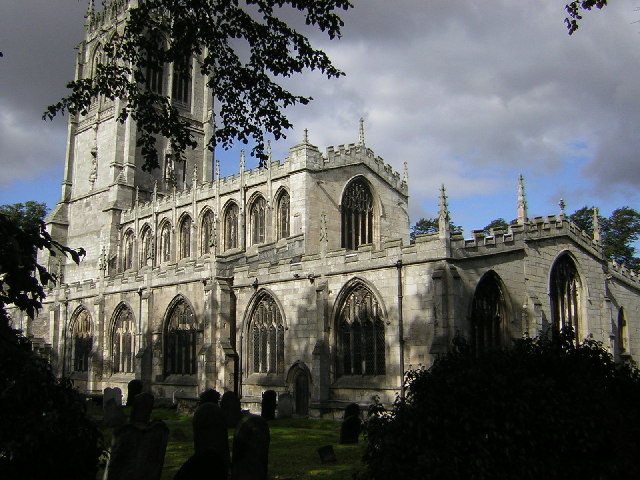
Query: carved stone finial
x=405, y=178
x=217, y=169
x=444, y=228
x=194, y=178
x=561, y=204
x=361, y=133
x=596, y=226
x=155, y=188
x=242, y=160
x=522, y=202
x=137, y=195
x=305, y=139
x=269, y=154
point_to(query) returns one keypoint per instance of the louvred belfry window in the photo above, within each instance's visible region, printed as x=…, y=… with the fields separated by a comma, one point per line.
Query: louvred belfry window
x=181, y=340
x=267, y=337
x=361, y=335
x=357, y=215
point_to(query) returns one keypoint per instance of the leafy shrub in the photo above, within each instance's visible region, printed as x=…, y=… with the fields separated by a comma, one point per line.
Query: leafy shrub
x=545, y=408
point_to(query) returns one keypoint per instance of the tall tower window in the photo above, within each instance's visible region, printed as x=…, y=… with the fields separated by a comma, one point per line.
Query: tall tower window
x=185, y=237
x=182, y=81
x=267, y=336
x=258, y=216
x=357, y=215
x=123, y=341
x=81, y=341
x=181, y=339
x=282, y=215
x=231, y=227
x=207, y=233
x=165, y=242
x=361, y=335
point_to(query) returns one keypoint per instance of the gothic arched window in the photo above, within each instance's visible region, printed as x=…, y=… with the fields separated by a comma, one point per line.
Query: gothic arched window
x=361, y=338
x=181, y=340
x=146, y=251
x=154, y=76
x=357, y=215
x=207, y=233
x=123, y=341
x=621, y=334
x=488, y=314
x=282, y=215
x=231, y=227
x=81, y=341
x=258, y=218
x=182, y=81
x=266, y=333
x=165, y=242
x=127, y=263
x=565, y=295
x=185, y=237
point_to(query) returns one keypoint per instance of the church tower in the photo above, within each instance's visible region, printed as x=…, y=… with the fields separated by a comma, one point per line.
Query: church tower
x=103, y=170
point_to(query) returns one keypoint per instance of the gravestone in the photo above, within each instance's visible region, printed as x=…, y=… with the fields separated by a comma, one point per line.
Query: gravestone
x=178, y=394
x=231, y=408
x=268, y=405
x=352, y=410
x=141, y=409
x=111, y=393
x=285, y=405
x=134, y=388
x=113, y=415
x=210, y=431
x=137, y=452
x=327, y=455
x=350, y=429
x=210, y=396
x=251, y=449
x=204, y=464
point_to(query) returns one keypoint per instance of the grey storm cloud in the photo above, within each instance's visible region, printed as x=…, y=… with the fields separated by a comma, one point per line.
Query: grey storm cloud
x=466, y=92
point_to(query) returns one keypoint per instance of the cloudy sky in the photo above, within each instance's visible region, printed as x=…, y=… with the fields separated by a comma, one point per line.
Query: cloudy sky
x=469, y=93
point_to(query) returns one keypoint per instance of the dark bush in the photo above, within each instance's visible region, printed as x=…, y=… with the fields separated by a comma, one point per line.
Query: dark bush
x=541, y=409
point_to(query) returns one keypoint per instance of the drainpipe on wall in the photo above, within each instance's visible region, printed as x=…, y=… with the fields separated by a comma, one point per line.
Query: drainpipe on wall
x=400, y=327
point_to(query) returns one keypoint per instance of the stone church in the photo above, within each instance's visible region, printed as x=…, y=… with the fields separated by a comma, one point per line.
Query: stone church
x=298, y=277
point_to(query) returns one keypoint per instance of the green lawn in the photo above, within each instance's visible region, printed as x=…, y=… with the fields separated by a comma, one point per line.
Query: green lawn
x=293, y=453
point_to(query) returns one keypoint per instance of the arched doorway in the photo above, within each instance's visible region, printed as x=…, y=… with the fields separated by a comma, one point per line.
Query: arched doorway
x=301, y=393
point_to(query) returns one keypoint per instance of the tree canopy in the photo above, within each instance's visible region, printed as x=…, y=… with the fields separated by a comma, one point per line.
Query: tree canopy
x=576, y=9
x=544, y=408
x=429, y=225
x=27, y=216
x=244, y=47
x=618, y=232
x=500, y=223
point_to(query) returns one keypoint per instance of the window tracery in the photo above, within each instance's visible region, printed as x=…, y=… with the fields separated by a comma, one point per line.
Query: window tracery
x=488, y=314
x=181, y=340
x=267, y=337
x=357, y=215
x=81, y=341
x=146, y=253
x=185, y=237
x=231, y=227
x=282, y=217
x=127, y=263
x=565, y=295
x=207, y=233
x=258, y=219
x=123, y=341
x=165, y=242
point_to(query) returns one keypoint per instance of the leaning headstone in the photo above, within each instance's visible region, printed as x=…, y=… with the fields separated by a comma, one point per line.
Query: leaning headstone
x=111, y=393
x=205, y=464
x=285, y=405
x=210, y=431
x=141, y=410
x=137, y=452
x=230, y=406
x=268, y=405
x=210, y=396
x=327, y=455
x=113, y=415
x=134, y=388
x=251, y=449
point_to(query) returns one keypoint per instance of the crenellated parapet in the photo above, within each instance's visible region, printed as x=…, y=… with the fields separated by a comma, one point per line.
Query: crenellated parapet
x=108, y=16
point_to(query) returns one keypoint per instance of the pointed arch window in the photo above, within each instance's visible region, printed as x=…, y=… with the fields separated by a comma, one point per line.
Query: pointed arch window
x=154, y=75
x=127, y=263
x=81, y=341
x=488, y=314
x=231, y=227
x=181, y=340
x=283, y=214
x=146, y=252
x=185, y=237
x=565, y=295
x=267, y=337
x=207, y=233
x=258, y=219
x=357, y=215
x=361, y=334
x=165, y=242
x=181, y=90
x=123, y=341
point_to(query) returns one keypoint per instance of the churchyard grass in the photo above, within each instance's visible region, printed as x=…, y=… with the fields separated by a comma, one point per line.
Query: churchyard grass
x=293, y=452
